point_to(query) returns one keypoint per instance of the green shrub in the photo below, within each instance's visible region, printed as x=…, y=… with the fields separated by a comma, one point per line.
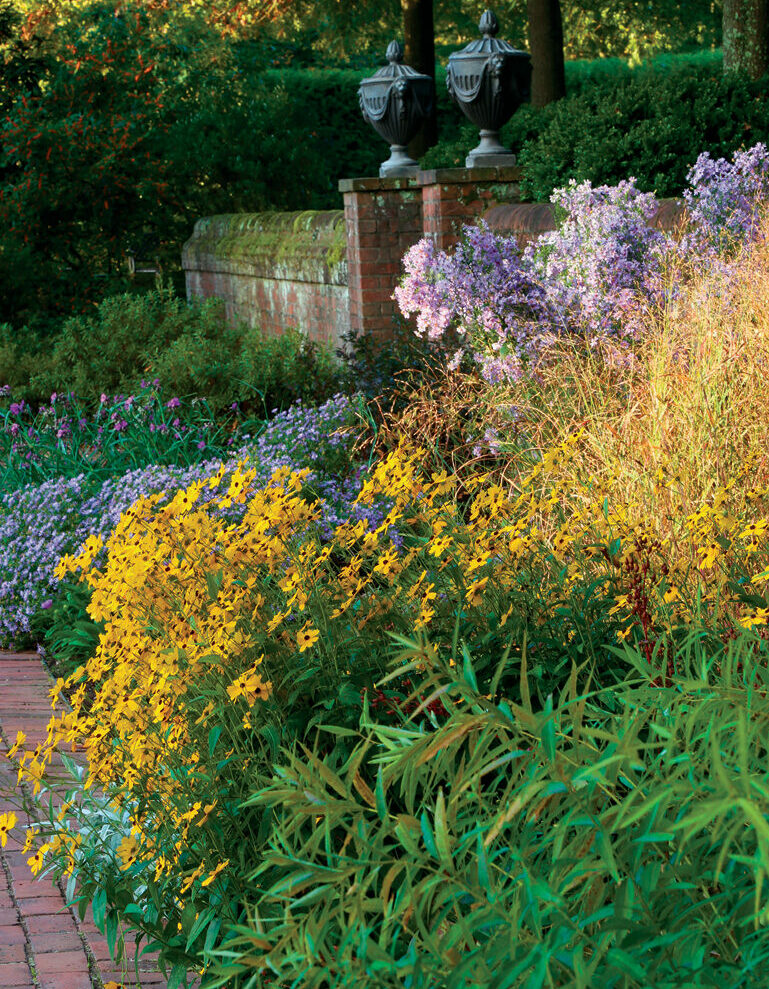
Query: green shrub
x=111, y=349
x=651, y=122
x=652, y=127
x=188, y=346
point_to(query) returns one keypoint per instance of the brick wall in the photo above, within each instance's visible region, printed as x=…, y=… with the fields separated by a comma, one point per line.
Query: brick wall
x=329, y=272
x=453, y=197
x=274, y=270
x=383, y=219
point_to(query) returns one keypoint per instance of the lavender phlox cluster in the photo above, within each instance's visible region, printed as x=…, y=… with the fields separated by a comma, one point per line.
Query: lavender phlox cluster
x=39, y=523
x=483, y=292
x=602, y=255
x=595, y=276
x=426, y=288
x=726, y=200
x=509, y=307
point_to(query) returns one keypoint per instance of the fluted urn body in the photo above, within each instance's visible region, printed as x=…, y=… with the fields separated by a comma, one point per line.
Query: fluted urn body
x=489, y=79
x=395, y=101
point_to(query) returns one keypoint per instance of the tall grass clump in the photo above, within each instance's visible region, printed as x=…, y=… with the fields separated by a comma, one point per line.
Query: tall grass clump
x=687, y=406
x=606, y=840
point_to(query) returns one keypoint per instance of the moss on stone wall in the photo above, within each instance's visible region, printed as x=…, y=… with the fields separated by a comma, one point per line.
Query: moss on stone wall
x=309, y=245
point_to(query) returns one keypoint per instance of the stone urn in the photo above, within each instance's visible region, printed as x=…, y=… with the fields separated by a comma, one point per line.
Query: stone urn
x=489, y=79
x=395, y=101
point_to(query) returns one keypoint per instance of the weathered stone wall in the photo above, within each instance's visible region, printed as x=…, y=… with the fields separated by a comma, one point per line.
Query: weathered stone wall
x=274, y=270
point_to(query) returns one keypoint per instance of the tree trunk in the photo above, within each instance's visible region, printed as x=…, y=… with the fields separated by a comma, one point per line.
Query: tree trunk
x=746, y=37
x=548, y=77
x=419, y=45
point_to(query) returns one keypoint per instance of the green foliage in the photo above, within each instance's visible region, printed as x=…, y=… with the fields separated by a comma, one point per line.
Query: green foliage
x=68, y=438
x=651, y=122
x=188, y=346
x=108, y=351
x=118, y=131
x=134, y=129
x=652, y=126
x=70, y=636
x=375, y=364
x=612, y=840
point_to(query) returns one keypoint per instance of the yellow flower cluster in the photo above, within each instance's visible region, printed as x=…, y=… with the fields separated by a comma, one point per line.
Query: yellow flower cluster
x=211, y=624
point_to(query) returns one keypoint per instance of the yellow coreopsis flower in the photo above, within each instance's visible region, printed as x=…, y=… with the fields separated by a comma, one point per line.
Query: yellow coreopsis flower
x=307, y=637
x=276, y=620
x=35, y=863
x=128, y=851
x=439, y=545
x=7, y=823
x=21, y=738
x=474, y=593
x=217, y=871
x=709, y=554
x=759, y=617
x=387, y=562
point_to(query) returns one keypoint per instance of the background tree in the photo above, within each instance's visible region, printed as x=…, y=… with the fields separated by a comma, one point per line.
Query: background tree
x=746, y=37
x=419, y=44
x=548, y=80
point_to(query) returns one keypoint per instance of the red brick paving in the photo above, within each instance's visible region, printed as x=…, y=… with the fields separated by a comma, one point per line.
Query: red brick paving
x=42, y=944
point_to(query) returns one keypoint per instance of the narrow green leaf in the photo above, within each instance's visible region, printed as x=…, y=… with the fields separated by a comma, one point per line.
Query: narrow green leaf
x=213, y=738
x=483, y=864
x=111, y=927
x=99, y=906
x=379, y=795
x=442, y=832
x=467, y=669
x=178, y=976
x=547, y=734
x=427, y=834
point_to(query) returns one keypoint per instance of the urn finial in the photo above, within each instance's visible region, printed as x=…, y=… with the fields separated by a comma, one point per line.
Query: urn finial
x=488, y=24
x=394, y=52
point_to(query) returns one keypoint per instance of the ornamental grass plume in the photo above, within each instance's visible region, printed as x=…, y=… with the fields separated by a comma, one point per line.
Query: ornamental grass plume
x=692, y=402
x=688, y=400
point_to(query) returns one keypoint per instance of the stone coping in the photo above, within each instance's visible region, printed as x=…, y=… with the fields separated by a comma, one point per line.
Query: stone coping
x=434, y=176
x=529, y=220
x=465, y=176
x=375, y=184
x=305, y=246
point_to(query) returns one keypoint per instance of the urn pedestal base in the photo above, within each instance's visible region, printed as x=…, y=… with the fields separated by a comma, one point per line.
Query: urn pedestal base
x=480, y=160
x=490, y=153
x=399, y=164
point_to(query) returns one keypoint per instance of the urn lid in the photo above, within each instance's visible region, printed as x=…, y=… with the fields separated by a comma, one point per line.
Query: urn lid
x=489, y=43
x=395, y=69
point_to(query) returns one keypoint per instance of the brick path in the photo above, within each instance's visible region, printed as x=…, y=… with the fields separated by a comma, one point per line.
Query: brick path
x=43, y=945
